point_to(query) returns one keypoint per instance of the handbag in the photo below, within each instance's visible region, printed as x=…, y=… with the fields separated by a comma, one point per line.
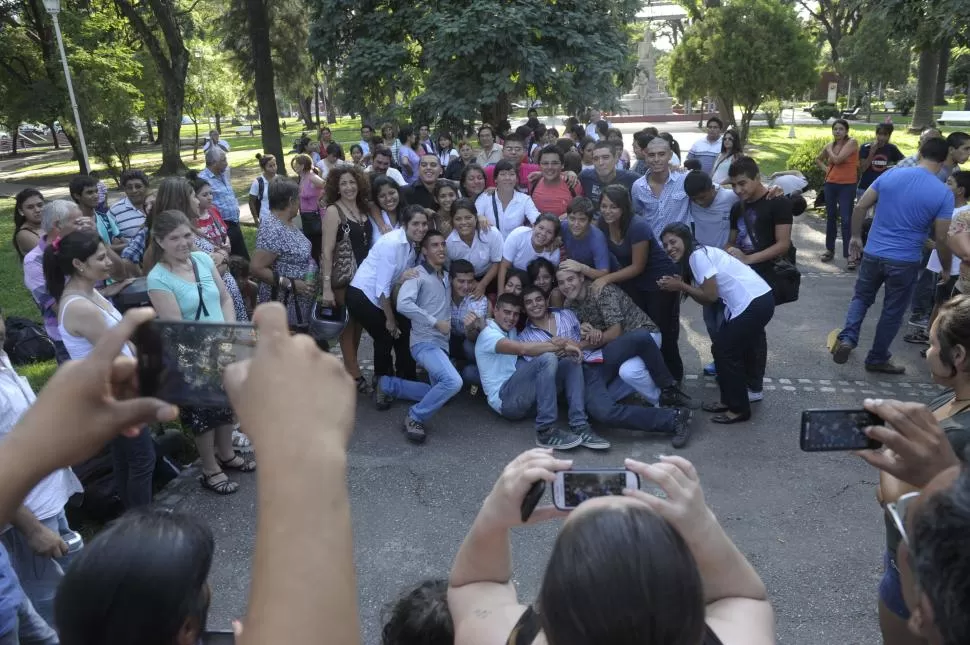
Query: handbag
x=781, y=274
x=301, y=325
x=344, y=262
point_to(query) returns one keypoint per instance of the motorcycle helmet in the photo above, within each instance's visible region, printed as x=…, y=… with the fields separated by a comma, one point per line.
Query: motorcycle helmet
x=327, y=321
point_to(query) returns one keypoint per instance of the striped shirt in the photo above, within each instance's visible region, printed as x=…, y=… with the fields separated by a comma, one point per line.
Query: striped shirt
x=671, y=206
x=567, y=326
x=128, y=218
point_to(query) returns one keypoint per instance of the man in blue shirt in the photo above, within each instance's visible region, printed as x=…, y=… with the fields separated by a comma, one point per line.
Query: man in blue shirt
x=224, y=198
x=909, y=202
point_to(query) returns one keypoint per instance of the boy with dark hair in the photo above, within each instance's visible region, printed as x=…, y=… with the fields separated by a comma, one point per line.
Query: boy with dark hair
x=876, y=157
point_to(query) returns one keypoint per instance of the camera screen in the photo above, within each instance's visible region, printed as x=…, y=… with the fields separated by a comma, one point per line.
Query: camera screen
x=183, y=363
x=579, y=487
x=838, y=429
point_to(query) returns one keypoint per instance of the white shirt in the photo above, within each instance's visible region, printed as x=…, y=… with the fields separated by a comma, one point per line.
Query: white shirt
x=48, y=498
x=485, y=249
x=391, y=256
x=393, y=173
x=789, y=183
x=264, y=202
x=737, y=283
x=520, y=209
x=519, y=251
x=222, y=144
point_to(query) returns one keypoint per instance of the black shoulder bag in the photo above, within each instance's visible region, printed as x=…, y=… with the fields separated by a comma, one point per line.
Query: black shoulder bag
x=202, y=309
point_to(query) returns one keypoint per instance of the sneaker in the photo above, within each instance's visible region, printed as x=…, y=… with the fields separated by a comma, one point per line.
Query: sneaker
x=754, y=397
x=382, y=400
x=590, y=439
x=414, y=430
x=710, y=369
x=557, y=439
x=674, y=397
x=918, y=337
x=682, y=428
x=919, y=320
x=841, y=351
x=885, y=368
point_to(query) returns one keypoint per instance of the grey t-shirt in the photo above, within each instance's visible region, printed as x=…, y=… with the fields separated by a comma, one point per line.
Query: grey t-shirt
x=712, y=224
x=426, y=300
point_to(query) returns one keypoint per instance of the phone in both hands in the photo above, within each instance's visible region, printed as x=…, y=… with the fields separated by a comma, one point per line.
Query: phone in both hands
x=829, y=430
x=573, y=487
x=182, y=362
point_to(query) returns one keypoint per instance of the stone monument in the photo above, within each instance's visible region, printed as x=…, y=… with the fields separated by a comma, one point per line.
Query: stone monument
x=646, y=98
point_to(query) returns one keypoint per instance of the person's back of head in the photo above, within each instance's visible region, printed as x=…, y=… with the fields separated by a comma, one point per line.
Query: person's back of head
x=643, y=138
x=420, y=616
x=693, y=164
x=935, y=150
x=696, y=182
x=141, y=581
x=620, y=574
x=572, y=162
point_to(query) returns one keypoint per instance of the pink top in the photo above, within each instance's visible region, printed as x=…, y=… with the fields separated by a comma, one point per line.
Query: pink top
x=309, y=196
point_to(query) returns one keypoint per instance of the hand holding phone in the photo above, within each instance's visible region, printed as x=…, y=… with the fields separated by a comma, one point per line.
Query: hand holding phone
x=828, y=430
x=519, y=487
x=573, y=487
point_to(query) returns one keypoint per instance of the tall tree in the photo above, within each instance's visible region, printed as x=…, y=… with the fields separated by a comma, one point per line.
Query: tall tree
x=939, y=98
x=160, y=24
x=717, y=52
x=876, y=54
x=837, y=19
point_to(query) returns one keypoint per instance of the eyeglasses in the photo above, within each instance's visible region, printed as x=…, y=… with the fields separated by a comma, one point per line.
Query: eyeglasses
x=897, y=511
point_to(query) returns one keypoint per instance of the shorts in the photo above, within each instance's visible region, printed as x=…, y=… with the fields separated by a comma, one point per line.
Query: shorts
x=891, y=588
x=202, y=420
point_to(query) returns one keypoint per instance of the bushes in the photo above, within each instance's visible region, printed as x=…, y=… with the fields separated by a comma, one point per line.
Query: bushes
x=803, y=158
x=824, y=111
x=772, y=110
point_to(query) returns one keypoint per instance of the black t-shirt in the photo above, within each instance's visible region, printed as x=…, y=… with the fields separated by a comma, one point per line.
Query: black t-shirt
x=885, y=157
x=418, y=194
x=757, y=221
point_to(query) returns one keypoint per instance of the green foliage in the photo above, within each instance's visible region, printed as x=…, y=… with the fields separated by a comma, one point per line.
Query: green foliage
x=803, y=159
x=744, y=53
x=876, y=53
x=824, y=111
x=904, y=99
x=772, y=110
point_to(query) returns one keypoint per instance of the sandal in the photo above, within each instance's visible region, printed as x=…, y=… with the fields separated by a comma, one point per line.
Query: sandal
x=240, y=440
x=918, y=337
x=363, y=387
x=827, y=256
x=242, y=463
x=222, y=487
x=851, y=265
x=714, y=406
x=724, y=419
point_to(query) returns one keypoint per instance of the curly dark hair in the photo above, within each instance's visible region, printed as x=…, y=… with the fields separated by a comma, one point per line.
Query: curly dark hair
x=332, y=189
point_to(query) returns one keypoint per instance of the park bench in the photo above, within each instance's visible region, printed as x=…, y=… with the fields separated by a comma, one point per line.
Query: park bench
x=954, y=116
x=244, y=129
x=851, y=114
x=890, y=106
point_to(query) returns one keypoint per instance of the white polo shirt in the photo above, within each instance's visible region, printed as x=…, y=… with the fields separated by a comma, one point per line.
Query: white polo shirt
x=387, y=260
x=519, y=251
x=737, y=283
x=485, y=249
x=519, y=211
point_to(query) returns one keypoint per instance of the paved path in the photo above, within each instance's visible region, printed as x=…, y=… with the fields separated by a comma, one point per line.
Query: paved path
x=808, y=522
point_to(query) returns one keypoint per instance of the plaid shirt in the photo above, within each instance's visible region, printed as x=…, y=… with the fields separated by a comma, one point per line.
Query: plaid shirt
x=223, y=196
x=135, y=251
x=671, y=206
x=478, y=307
x=37, y=286
x=567, y=326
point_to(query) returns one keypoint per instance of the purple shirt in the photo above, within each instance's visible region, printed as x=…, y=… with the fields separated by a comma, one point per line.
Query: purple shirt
x=37, y=286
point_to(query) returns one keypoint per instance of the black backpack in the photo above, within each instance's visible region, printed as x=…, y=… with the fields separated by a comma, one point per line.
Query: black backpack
x=27, y=342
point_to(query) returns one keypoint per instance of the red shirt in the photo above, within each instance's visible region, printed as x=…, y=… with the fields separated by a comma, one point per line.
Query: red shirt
x=554, y=198
x=525, y=169
x=211, y=226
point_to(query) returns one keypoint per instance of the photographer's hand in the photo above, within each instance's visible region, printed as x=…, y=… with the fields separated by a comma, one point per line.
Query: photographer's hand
x=503, y=506
x=920, y=449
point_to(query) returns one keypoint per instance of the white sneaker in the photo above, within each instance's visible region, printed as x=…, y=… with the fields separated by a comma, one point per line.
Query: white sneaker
x=755, y=396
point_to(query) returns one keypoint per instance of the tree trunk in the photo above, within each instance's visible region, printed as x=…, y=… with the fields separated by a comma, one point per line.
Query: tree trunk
x=171, y=144
x=725, y=108
x=160, y=122
x=195, y=141
x=76, y=150
x=13, y=141
x=316, y=102
x=151, y=131
x=925, y=89
x=263, y=80
x=331, y=103
x=218, y=122
x=966, y=101
x=57, y=144
x=940, y=98
x=306, y=111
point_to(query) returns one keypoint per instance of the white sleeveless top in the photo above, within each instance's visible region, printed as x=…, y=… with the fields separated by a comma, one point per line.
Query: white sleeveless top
x=77, y=346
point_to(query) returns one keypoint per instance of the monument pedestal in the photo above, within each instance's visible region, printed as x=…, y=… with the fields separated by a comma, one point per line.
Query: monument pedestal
x=646, y=105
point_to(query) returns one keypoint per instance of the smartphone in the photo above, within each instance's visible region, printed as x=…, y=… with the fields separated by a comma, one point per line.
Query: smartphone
x=573, y=487
x=824, y=430
x=182, y=362
x=218, y=638
x=531, y=499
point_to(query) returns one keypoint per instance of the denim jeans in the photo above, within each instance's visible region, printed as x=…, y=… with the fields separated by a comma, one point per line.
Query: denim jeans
x=462, y=349
x=445, y=382
x=838, y=205
x=636, y=344
x=39, y=575
x=922, y=301
x=534, y=386
x=134, y=466
x=603, y=407
x=900, y=280
x=30, y=628
x=741, y=351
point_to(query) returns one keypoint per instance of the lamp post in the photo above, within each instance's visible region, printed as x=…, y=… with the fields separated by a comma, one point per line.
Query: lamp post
x=53, y=7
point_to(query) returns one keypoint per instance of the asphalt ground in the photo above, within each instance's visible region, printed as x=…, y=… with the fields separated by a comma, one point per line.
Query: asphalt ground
x=809, y=523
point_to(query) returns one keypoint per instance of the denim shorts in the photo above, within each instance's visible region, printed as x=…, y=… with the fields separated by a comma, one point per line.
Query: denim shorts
x=891, y=588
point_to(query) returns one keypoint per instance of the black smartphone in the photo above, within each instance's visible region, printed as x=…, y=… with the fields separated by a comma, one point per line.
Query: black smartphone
x=182, y=362
x=531, y=499
x=824, y=430
x=573, y=487
x=218, y=638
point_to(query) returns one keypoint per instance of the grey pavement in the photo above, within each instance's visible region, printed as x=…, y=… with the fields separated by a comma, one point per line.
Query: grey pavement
x=809, y=523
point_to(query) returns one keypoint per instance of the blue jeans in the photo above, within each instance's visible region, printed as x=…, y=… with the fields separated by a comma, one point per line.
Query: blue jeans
x=534, y=386
x=445, y=382
x=922, y=303
x=39, y=575
x=603, y=407
x=838, y=204
x=900, y=279
x=134, y=466
x=29, y=628
x=462, y=349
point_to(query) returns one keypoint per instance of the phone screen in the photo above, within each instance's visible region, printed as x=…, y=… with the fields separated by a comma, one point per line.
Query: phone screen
x=182, y=362
x=581, y=486
x=218, y=638
x=824, y=430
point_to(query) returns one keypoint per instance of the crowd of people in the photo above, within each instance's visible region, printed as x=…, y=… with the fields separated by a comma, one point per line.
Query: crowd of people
x=545, y=271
